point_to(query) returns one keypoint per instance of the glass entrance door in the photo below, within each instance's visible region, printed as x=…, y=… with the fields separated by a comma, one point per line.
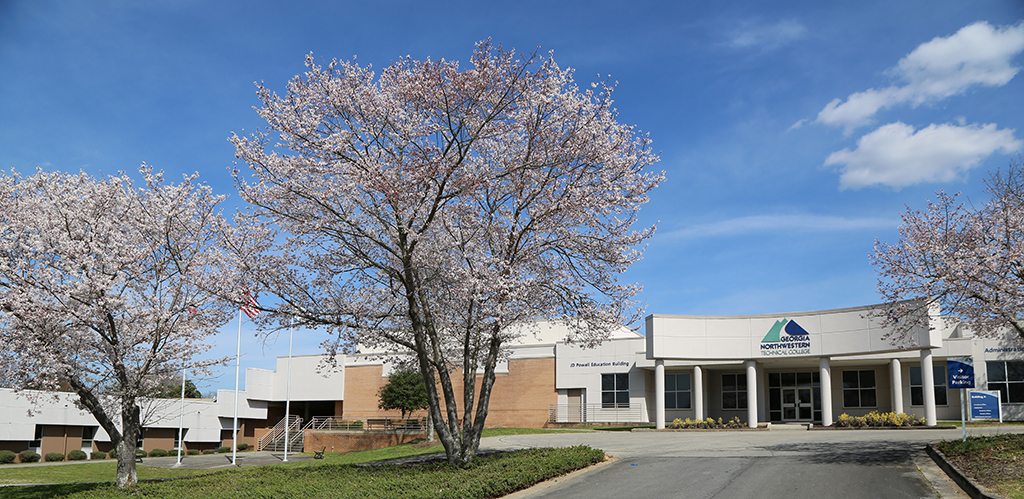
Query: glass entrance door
x=794, y=396
x=796, y=404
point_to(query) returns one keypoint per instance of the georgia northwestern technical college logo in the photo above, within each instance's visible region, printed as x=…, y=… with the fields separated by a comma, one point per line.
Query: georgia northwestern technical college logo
x=795, y=341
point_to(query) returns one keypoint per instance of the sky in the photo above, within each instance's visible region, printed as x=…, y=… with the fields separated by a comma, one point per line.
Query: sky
x=792, y=134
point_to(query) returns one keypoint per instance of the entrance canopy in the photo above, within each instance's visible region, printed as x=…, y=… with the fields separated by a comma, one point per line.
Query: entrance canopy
x=828, y=333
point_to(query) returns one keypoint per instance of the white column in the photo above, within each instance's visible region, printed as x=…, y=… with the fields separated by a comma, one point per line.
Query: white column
x=928, y=387
x=762, y=413
x=698, y=393
x=659, y=394
x=825, y=378
x=751, y=367
x=897, y=386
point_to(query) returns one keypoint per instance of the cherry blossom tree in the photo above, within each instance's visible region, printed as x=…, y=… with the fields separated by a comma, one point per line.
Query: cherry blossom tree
x=964, y=259
x=439, y=210
x=99, y=290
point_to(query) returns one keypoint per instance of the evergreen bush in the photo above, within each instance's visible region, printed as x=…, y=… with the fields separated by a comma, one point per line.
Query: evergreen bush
x=223, y=449
x=243, y=446
x=27, y=456
x=76, y=455
x=7, y=457
x=208, y=451
x=192, y=452
x=98, y=455
x=142, y=453
x=54, y=457
x=157, y=453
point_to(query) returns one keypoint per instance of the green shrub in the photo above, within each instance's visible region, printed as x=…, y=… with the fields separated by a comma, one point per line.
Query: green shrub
x=708, y=423
x=142, y=453
x=208, y=451
x=243, y=446
x=76, y=455
x=113, y=453
x=157, y=453
x=28, y=456
x=193, y=452
x=7, y=457
x=878, y=420
x=98, y=455
x=223, y=449
x=54, y=457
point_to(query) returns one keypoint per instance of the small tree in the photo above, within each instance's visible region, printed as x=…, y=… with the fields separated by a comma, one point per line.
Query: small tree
x=171, y=389
x=404, y=391
x=99, y=290
x=967, y=259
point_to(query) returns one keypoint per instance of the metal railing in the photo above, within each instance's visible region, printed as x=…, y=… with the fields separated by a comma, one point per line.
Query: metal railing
x=292, y=422
x=371, y=424
x=595, y=413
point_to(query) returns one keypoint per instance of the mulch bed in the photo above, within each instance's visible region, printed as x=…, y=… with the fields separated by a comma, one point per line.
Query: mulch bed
x=990, y=466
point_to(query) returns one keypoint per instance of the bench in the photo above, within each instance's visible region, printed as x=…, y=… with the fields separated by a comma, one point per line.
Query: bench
x=319, y=454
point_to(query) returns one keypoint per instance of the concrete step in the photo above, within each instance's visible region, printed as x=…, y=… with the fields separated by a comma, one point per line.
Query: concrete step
x=789, y=426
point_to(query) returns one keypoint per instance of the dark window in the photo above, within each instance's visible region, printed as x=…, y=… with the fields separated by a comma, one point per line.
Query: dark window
x=615, y=390
x=677, y=391
x=917, y=385
x=1007, y=376
x=734, y=391
x=859, y=389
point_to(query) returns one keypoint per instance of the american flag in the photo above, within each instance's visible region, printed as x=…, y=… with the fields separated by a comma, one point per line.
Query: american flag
x=251, y=308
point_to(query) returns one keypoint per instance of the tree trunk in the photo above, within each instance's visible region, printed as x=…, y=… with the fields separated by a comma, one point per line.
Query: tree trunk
x=131, y=428
x=126, y=476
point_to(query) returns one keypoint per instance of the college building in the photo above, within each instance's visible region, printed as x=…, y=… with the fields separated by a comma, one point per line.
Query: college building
x=803, y=367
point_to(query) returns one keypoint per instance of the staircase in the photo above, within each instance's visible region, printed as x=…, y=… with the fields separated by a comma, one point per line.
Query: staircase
x=274, y=440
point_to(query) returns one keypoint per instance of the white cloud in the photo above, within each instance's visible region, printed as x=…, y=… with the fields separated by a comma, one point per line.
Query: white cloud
x=767, y=37
x=977, y=54
x=897, y=156
x=773, y=223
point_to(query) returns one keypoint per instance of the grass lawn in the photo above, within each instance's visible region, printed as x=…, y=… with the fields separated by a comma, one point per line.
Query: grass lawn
x=90, y=471
x=980, y=424
x=995, y=462
x=334, y=476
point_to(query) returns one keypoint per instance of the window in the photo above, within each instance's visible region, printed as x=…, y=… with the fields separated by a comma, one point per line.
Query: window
x=859, y=389
x=917, y=385
x=677, y=391
x=615, y=390
x=37, y=440
x=88, y=433
x=177, y=439
x=734, y=391
x=1007, y=376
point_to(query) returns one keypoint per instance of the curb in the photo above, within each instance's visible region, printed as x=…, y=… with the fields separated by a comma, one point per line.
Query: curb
x=957, y=476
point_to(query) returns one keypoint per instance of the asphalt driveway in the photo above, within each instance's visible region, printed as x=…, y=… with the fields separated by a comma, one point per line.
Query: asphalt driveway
x=817, y=464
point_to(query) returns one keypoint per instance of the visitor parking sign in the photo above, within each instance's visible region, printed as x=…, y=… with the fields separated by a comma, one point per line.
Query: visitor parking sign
x=961, y=372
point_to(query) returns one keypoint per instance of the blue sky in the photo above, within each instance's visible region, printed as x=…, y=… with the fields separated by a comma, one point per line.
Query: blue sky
x=793, y=134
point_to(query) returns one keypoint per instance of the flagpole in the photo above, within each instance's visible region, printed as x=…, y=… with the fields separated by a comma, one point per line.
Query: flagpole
x=181, y=417
x=288, y=388
x=234, y=425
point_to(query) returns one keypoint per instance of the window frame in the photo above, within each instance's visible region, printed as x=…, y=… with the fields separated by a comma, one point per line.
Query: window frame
x=619, y=393
x=939, y=372
x=1006, y=382
x=672, y=391
x=859, y=389
x=739, y=394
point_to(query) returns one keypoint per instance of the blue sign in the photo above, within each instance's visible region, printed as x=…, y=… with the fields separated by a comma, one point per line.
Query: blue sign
x=984, y=405
x=961, y=372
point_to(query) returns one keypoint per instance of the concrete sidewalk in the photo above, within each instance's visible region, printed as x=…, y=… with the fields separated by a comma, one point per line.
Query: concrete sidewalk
x=199, y=462
x=212, y=461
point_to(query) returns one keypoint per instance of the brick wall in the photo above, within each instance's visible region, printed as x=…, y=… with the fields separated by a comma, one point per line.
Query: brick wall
x=519, y=399
x=346, y=441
